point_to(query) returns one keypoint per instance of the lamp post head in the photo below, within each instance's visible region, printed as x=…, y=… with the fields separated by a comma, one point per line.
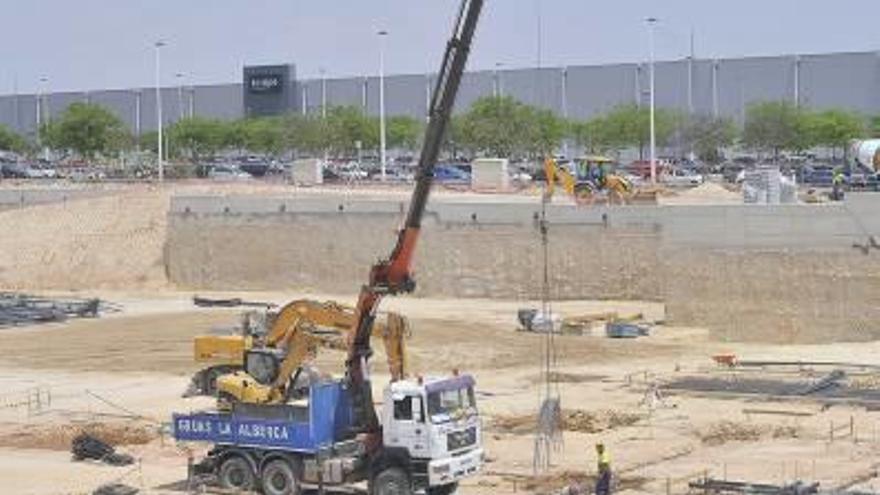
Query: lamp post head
x=159, y=44
x=382, y=33
x=652, y=20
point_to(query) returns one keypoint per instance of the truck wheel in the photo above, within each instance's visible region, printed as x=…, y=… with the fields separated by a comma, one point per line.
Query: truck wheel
x=443, y=489
x=392, y=481
x=236, y=474
x=279, y=479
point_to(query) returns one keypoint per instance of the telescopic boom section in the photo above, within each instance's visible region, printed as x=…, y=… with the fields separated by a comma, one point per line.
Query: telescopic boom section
x=393, y=276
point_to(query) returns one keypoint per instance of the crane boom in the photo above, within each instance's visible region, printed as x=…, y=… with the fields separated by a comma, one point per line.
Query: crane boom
x=393, y=275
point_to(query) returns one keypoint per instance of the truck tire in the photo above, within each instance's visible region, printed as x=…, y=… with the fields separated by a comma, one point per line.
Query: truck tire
x=278, y=478
x=442, y=489
x=236, y=474
x=392, y=481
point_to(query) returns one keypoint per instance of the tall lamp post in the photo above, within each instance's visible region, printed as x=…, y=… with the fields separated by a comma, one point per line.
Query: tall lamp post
x=181, y=112
x=497, y=92
x=382, y=35
x=323, y=92
x=161, y=165
x=43, y=112
x=652, y=21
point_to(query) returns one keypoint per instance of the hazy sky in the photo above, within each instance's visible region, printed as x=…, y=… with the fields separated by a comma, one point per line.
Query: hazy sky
x=98, y=44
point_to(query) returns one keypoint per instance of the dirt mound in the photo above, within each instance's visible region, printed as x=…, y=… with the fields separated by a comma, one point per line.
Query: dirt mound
x=707, y=193
x=114, y=241
x=569, y=481
x=572, y=420
x=58, y=437
x=723, y=432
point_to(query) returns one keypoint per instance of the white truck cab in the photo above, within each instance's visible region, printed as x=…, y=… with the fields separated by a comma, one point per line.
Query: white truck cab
x=435, y=420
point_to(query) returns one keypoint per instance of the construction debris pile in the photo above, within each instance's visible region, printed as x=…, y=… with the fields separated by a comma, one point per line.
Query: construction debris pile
x=571, y=420
x=61, y=437
x=731, y=431
x=18, y=309
x=86, y=446
x=710, y=485
x=611, y=323
x=845, y=382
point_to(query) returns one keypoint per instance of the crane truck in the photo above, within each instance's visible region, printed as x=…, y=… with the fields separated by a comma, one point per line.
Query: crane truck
x=428, y=438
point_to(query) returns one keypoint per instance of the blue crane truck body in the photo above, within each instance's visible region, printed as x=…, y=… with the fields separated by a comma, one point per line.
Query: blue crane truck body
x=322, y=423
x=430, y=440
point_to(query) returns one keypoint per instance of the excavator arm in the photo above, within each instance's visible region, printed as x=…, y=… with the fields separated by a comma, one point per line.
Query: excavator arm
x=554, y=174
x=266, y=377
x=293, y=335
x=393, y=275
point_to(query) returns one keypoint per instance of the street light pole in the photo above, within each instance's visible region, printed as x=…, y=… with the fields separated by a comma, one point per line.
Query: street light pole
x=159, y=140
x=382, y=34
x=497, y=91
x=42, y=113
x=137, y=119
x=323, y=93
x=179, y=77
x=652, y=21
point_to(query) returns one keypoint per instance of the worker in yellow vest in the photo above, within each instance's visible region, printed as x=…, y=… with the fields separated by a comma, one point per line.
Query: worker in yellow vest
x=603, y=480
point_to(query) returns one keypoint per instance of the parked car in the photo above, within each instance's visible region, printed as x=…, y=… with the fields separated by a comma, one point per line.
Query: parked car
x=255, y=168
x=41, y=171
x=14, y=170
x=351, y=171
x=450, y=174
x=228, y=172
x=329, y=176
x=682, y=177
x=816, y=175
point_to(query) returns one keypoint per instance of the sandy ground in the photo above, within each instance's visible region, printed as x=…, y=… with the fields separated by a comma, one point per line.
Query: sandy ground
x=137, y=362
x=127, y=370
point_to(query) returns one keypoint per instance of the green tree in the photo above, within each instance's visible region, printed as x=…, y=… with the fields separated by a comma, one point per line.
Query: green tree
x=87, y=129
x=707, y=135
x=592, y=135
x=776, y=126
x=454, y=141
x=346, y=126
x=305, y=133
x=263, y=135
x=494, y=125
x=199, y=137
x=12, y=141
x=835, y=128
x=874, y=126
x=543, y=130
x=629, y=125
x=403, y=132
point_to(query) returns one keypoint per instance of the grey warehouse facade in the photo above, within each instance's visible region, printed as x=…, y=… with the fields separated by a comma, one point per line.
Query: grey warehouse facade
x=708, y=86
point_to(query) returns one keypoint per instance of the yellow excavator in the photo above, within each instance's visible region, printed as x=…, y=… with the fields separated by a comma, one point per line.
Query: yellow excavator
x=256, y=365
x=585, y=191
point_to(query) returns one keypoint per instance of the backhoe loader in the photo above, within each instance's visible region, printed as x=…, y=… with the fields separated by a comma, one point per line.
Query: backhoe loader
x=312, y=323
x=596, y=181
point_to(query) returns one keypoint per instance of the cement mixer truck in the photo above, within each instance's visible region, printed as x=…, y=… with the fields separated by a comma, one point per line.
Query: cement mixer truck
x=865, y=162
x=866, y=153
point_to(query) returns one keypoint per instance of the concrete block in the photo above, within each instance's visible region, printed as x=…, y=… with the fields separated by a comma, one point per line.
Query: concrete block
x=307, y=172
x=490, y=173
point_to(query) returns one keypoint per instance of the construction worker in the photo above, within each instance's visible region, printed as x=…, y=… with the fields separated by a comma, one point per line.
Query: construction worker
x=837, y=184
x=603, y=479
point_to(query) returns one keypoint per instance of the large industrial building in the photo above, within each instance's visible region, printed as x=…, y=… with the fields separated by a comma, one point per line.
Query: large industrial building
x=707, y=86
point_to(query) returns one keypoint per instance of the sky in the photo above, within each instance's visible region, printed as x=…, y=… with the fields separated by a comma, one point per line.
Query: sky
x=79, y=45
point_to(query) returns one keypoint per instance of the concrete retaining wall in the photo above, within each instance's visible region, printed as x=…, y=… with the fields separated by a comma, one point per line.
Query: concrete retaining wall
x=17, y=198
x=781, y=273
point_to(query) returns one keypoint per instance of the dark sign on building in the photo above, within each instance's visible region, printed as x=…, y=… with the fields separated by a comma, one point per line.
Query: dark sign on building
x=269, y=90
